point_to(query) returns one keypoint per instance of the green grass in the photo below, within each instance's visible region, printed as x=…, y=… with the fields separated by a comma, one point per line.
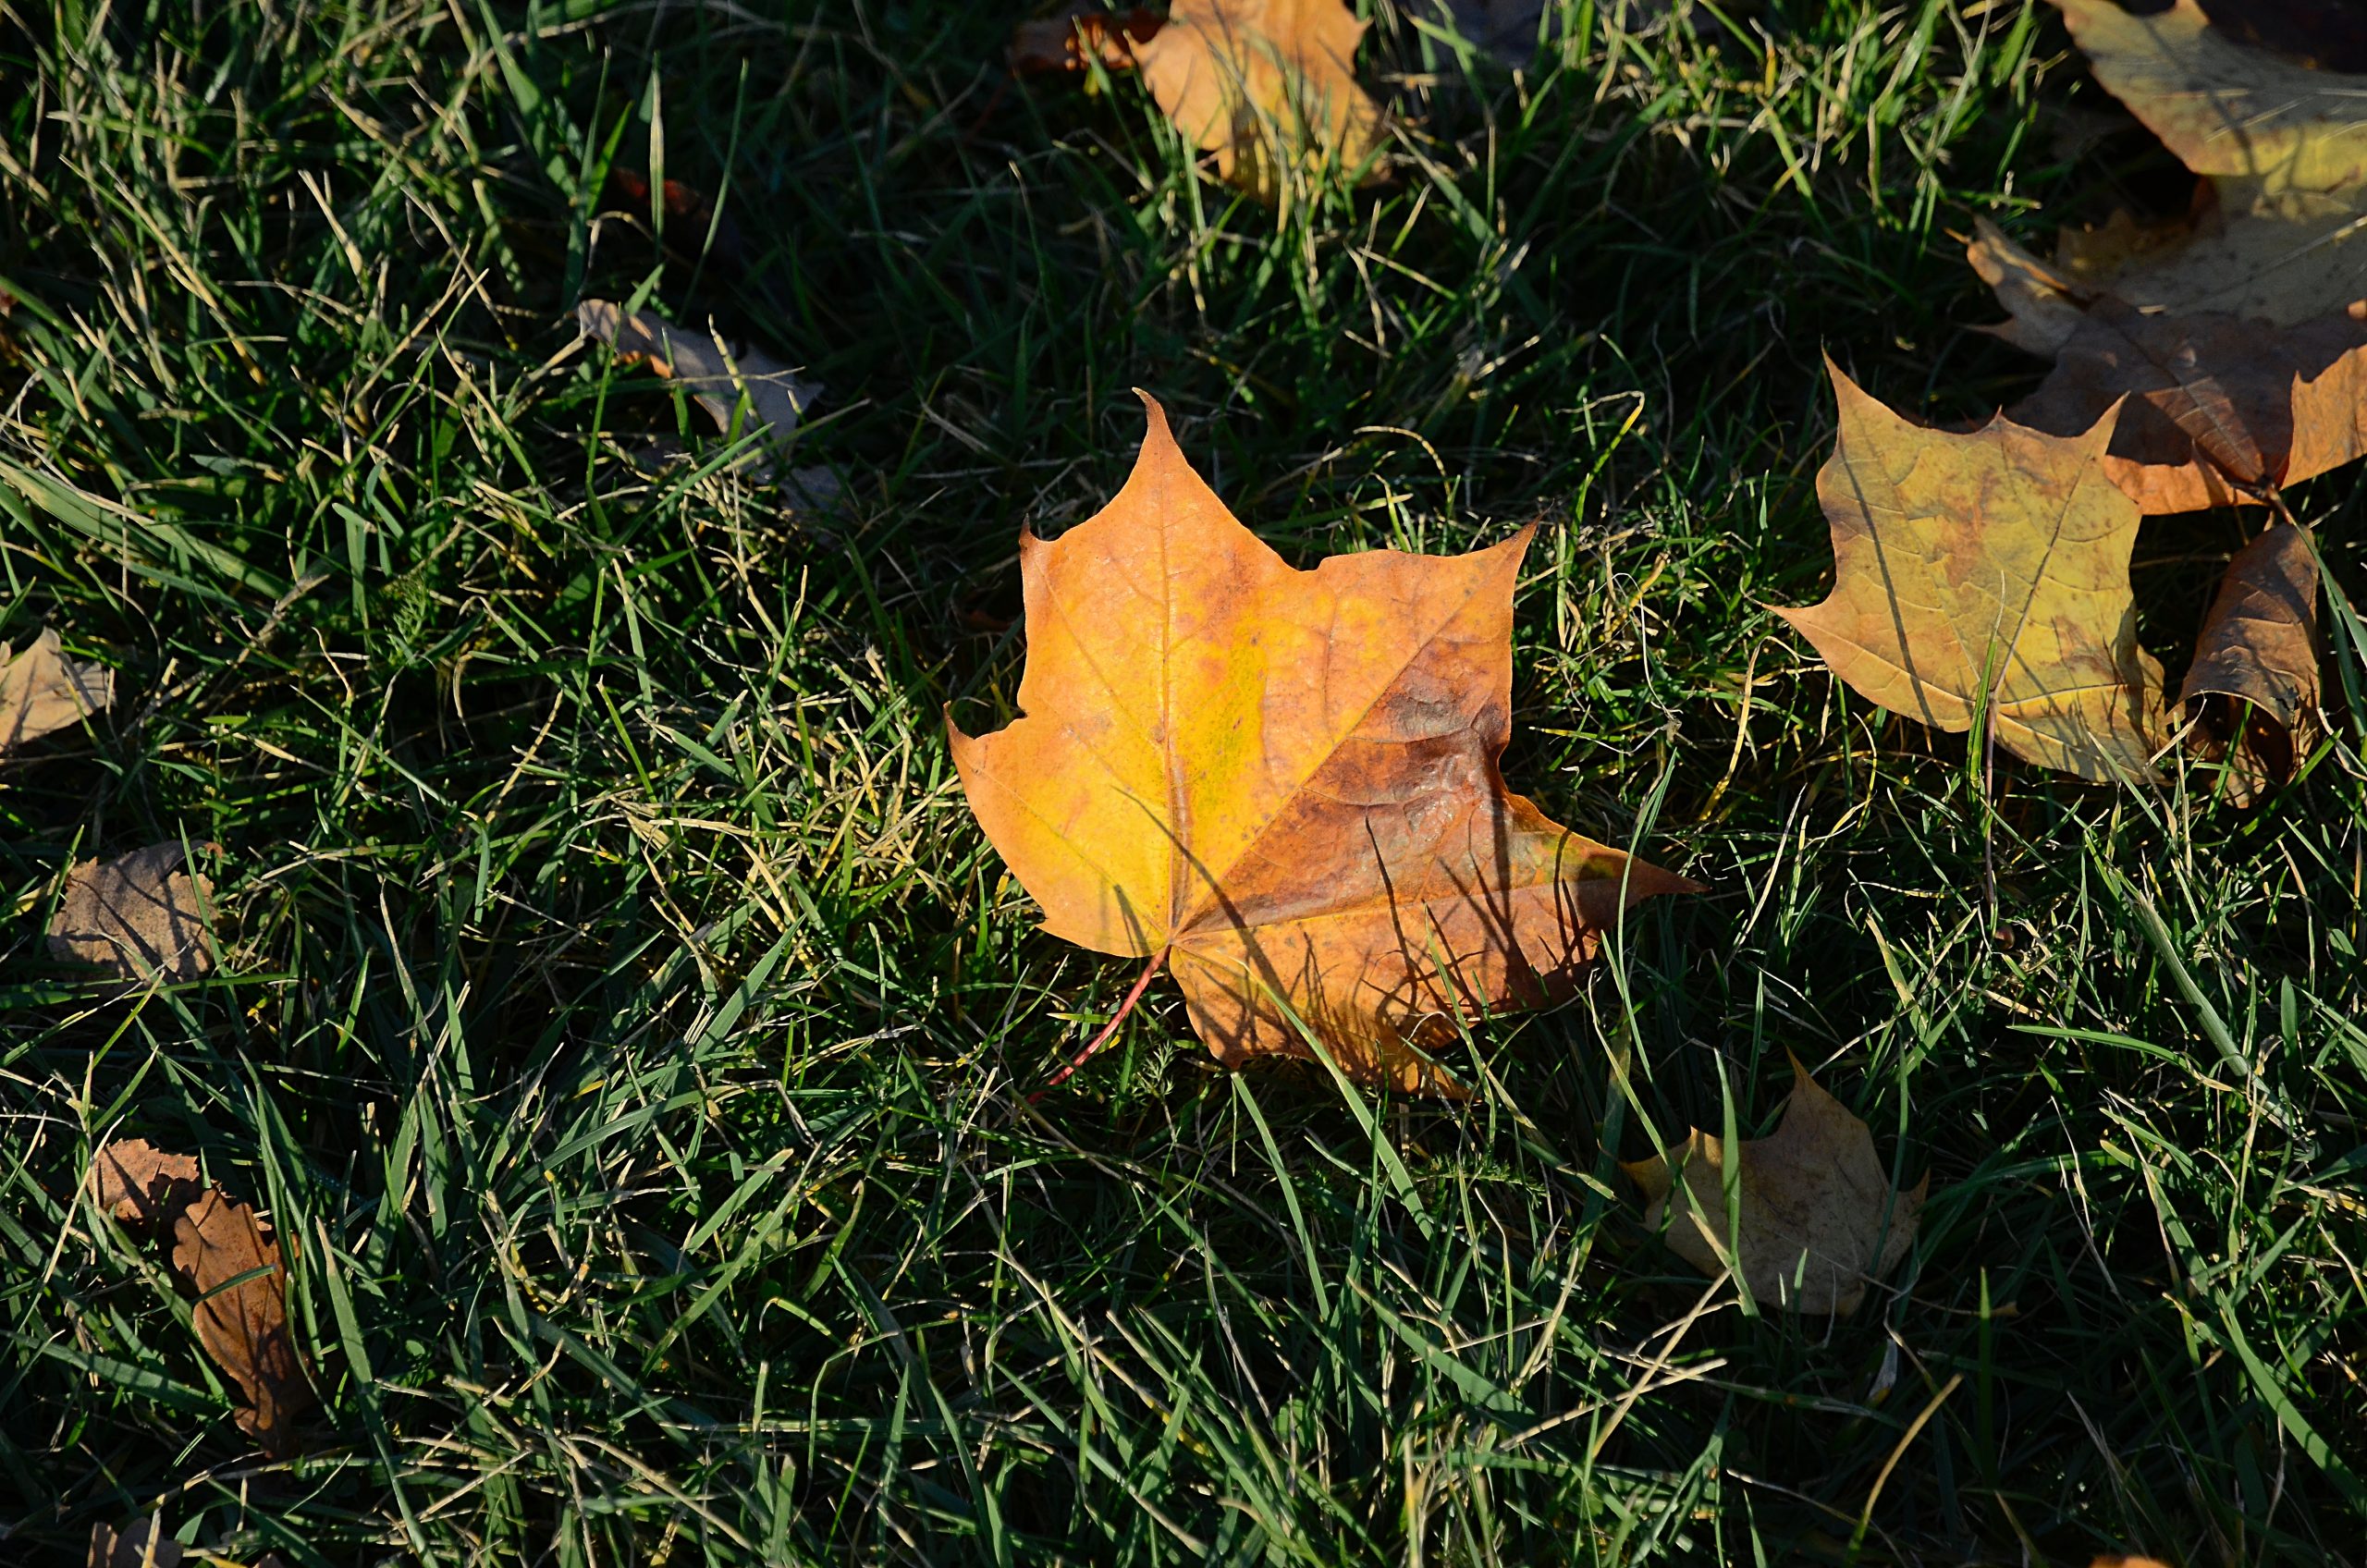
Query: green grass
x=627, y=1028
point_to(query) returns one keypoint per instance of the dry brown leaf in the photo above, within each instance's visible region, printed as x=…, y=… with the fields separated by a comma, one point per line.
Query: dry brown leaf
x=1285, y=782
x=139, y=915
x=715, y=375
x=140, y=1183
x=1269, y=86
x=41, y=690
x=227, y=1256
x=2114, y=1559
x=1081, y=32
x=1987, y=571
x=2253, y=686
x=2221, y=410
x=142, y=1544
x=1818, y=1217
x=2279, y=232
x=241, y=1313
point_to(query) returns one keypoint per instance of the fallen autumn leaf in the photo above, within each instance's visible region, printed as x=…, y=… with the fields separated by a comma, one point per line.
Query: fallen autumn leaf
x=139, y=915
x=1269, y=86
x=1819, y=1217
x=1284, y=783
x=41, y=692
x=2253, y=689
x=1987, y=573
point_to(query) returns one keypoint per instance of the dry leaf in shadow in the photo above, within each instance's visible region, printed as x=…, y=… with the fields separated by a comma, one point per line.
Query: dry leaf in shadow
x=1284, y=784
x=2222, y=410
x=1269, y=86
x=1985, y=574
x=241, y=1313
x=139, y=915
x=41, y=690
x=1061, y=44
x=718, y=376
x=2252, y=690
x=227, y=1256
x=142, y=1544
x=2281, y=145
x=140, y=1184
x=1818, y=1217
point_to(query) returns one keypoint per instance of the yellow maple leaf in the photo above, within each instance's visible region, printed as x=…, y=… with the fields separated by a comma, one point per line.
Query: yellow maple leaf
x=1987, y=571
x=1284, y=783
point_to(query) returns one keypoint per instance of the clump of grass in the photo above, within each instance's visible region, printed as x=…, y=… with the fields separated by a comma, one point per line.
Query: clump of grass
x=631, y=1036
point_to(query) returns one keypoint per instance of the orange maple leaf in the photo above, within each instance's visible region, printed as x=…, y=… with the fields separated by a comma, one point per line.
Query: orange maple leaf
x=1284, y=783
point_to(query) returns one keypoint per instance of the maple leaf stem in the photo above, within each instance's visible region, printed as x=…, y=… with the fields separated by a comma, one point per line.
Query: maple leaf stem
x=1142, y=984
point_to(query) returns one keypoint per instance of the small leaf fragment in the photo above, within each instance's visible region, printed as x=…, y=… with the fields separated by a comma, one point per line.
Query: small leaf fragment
x=1987, y=571
x=2253, y=686
x=139, y=915
x=715, y=375
x=1061, y=44
x=1820, y=1218
x=1269, y=86
x=140, y=1183
x=1286, y=781
x=41, y=692
x=241, y=1313
x=142, y=1544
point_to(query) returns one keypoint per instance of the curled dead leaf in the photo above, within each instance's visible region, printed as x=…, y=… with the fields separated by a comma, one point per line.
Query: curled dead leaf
x=41, y=692
x=1269, y=86
x=1987, y=573
x=1819, y=1218
x=1285, y=782
x=139, y=915
x=2252, y=690
x=716, y=375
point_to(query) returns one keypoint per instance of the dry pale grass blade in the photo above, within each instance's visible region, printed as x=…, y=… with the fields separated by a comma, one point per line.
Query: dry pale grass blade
x=1286, y=782
x=139, y=915
x=242, y=1314
x=1985, y=575
x=140, y=1183
x=2220, y=410
x=41, y=690
x=141, y=1544
x=1269, y=86
x=1819, y=1217
x=716, y=375
x=2223, y=106
x=2254, y=687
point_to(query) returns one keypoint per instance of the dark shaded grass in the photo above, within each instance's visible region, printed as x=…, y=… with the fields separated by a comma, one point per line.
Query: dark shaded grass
x=632, y=1035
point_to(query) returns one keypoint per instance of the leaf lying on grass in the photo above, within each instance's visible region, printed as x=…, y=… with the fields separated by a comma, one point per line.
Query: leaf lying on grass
x=1269, y=86
x=139, y=915
x=1819, y=1218
x=41, y=692
x=230, y=1259
x=1284, y=783
x=1081, y=32
x=2252, y=690
x=2242, y=329
x=2276, y=236
x=2223, y=410
x=1987, y=573
x=717, y=377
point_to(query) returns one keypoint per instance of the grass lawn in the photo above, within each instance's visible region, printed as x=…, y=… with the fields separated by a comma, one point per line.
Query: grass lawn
x=626, y=1026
